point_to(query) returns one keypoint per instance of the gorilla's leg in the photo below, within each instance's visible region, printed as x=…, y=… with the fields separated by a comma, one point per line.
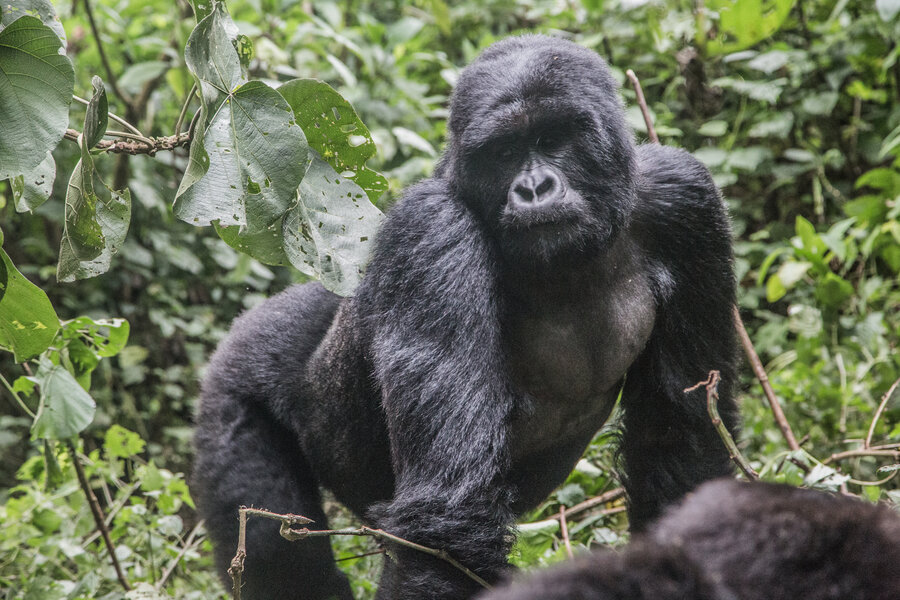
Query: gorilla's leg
x=245, y=458
x=248, y=451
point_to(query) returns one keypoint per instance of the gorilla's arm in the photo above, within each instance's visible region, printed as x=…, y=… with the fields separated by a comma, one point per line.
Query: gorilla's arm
x=429, y=303
x=669, y=444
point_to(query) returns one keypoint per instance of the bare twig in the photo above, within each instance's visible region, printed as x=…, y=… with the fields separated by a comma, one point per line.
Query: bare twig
x=97, y=512
x=712, y=399
x=151, y=146
x=358, y=556
x=110, y=74
x=639, y=92
x=763, y=378
x=895, y=454
x=884, y=401
x=189, y=543
x=564, y=530
x=287, y=532
x=610, y=496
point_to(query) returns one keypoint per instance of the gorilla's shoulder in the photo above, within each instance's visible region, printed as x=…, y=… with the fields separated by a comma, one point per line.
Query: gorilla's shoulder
x=283, y=329
x=679, y=211
x=673, y=177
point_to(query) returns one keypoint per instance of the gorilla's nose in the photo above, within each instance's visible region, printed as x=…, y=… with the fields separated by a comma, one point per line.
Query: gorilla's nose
x=540, y=185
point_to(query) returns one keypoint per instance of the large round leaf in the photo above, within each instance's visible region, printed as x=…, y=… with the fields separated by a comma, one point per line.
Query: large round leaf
x=36, y=84
x=247, y=155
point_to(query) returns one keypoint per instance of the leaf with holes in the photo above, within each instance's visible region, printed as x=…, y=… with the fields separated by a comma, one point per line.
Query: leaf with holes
x=329, y=233
x=335, y=131
x=248, y=154
x=32, y=189
x=95, y=226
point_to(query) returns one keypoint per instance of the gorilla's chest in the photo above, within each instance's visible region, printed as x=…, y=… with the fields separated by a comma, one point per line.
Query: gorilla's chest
x=569, y=348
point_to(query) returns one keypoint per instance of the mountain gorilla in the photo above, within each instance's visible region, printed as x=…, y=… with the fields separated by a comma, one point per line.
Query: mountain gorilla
x=740, y=541
x=507, y=300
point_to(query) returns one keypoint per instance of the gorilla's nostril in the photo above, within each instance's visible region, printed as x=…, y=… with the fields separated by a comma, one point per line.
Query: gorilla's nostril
x=544, y=187
x=525, y=193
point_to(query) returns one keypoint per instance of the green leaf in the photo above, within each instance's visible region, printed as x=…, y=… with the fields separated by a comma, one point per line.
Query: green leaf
x=32, y=189
x=28, y=322
x=713, y=128
x=833, y=290
x=335, y=131
x=42, y=9
x=96, y=117
x=777, y=125
x=36, y=84
x=122, y=443
x=743, y=23
x=820, y=104
x=248, y=155
x=202, y=8
x=266, y=246
x=329, y=233
x=65, y=409
x=95, y=226
x=808, y=236
x=765, y=91
x=107, y=337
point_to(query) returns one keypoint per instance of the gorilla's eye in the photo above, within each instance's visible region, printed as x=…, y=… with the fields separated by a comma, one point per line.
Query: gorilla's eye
x=505, y=150
x=550, y=141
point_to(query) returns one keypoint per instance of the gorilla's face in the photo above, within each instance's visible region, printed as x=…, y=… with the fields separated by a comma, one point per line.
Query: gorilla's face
x=539, y=149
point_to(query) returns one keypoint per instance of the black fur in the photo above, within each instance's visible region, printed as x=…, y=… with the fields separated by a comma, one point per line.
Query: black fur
x=737, y=541
x=507, y=298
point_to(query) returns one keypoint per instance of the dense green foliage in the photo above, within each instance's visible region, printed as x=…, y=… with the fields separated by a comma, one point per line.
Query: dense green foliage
x=794, y=106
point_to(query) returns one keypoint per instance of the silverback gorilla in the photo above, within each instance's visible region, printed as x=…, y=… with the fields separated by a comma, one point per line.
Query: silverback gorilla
x=740, y=541
x=509, y=297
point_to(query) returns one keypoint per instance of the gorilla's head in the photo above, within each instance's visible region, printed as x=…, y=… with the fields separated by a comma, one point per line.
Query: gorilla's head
x=539, y=148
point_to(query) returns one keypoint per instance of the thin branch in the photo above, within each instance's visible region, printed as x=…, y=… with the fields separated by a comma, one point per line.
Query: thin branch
x=184, y=109
x=884, y=401
x=114, y=117
x=712, y=399
x=97, y=512
x=111, y=76
x=763, y=378
x=639, y=92
x=564, y=530
x=124, y=134
x=358, y=556
x=895, y=454
x=286, y=531
x=610, y=496
x=151, y=147
x=189, y=543
x=605, y=512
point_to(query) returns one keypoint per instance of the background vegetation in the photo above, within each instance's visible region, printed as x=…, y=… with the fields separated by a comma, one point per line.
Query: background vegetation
x=795, y=107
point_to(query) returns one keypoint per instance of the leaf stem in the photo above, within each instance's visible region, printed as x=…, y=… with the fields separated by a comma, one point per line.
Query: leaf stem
x=184, y=108
x=15, y=395
x=114, y=117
